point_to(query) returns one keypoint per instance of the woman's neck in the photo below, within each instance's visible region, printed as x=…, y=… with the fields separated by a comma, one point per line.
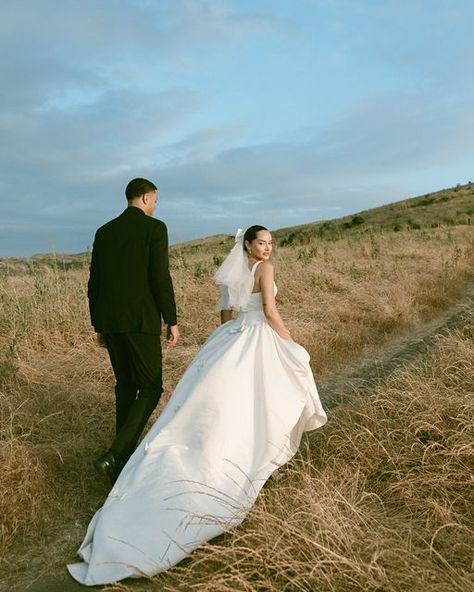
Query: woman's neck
x=252, y=261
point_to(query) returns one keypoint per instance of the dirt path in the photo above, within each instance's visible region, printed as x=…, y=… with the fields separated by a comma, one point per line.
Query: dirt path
x=366, y=371
x=370, y=370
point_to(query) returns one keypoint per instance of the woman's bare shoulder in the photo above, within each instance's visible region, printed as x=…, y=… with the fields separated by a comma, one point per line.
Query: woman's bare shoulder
x=265, y=268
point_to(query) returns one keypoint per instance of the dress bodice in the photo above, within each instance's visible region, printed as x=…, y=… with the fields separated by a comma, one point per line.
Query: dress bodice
x=255, y=300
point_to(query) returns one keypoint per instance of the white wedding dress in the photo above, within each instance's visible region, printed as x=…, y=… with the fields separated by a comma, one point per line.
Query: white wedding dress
x=236, y=415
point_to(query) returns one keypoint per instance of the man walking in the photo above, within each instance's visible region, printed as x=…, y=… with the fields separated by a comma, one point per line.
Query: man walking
x=130, y=290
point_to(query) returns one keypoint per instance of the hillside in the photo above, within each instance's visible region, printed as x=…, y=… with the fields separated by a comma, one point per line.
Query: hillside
x=444, y=208
x=447, y=207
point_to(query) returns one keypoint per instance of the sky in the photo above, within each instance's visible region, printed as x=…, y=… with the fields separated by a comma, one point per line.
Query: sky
x=273, y=112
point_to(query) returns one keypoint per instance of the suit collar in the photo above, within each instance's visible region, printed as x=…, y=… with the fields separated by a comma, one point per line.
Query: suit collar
x=133, y=211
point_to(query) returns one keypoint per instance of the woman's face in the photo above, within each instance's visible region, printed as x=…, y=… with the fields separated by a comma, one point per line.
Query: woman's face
x=261, y=246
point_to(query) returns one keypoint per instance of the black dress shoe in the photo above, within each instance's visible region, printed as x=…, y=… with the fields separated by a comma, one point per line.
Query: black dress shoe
x=108, y=466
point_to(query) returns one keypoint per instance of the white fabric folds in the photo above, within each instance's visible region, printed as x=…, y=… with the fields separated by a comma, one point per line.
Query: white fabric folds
x=234, y=278
x=236, y=415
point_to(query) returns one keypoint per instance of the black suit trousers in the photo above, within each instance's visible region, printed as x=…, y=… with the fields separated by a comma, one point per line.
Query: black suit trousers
x=136, y=361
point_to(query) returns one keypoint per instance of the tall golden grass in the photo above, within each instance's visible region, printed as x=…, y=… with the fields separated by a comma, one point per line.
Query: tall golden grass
x=342, y=300
x=381, y=499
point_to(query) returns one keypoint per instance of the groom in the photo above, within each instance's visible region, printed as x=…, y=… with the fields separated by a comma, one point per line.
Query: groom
x=130, y=290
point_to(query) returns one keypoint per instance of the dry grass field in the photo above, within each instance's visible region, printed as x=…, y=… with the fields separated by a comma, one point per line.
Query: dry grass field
x=379, y=499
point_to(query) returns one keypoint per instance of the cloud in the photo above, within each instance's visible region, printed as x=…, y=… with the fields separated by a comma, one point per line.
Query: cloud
x=98, y=31
x=386, y=133
x=86, y=100
x=279, y=113
x=373, y=154
x=61, y=150
x=207, y=186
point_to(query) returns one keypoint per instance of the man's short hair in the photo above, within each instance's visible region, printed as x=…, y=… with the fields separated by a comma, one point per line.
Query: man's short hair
x=138, y=187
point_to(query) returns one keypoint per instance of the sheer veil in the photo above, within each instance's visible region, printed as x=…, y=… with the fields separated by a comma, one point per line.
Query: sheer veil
x=234, y=278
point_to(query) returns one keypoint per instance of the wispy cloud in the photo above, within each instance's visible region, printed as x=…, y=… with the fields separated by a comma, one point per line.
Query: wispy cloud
x=240, y=111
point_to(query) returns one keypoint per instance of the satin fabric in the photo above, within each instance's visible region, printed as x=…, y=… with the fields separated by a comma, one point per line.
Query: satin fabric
x=237, y=414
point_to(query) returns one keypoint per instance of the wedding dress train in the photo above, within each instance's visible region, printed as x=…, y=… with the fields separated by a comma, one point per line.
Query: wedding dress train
x=237, y=414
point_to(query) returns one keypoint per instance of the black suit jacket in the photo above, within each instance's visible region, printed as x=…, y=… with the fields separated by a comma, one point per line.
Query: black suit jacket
x=130, y=287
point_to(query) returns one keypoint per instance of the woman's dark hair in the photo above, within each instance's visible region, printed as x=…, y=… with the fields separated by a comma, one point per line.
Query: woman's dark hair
x=138, y=187
x=251, y=233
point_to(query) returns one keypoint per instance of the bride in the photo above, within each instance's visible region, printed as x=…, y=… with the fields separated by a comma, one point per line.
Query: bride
x=236, y=415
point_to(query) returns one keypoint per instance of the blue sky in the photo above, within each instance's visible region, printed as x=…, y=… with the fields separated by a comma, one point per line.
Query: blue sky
x=274, y=112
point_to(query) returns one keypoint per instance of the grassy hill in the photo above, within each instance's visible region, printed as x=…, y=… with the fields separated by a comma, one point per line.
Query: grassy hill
x=444, y=208
x=448, y=207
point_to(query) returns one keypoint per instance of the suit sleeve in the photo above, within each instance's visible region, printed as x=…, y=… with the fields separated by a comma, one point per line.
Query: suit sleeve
x=93, y=283
x=160, y=278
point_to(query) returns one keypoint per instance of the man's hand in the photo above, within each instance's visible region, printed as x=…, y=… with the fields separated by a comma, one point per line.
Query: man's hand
x=172, y=335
